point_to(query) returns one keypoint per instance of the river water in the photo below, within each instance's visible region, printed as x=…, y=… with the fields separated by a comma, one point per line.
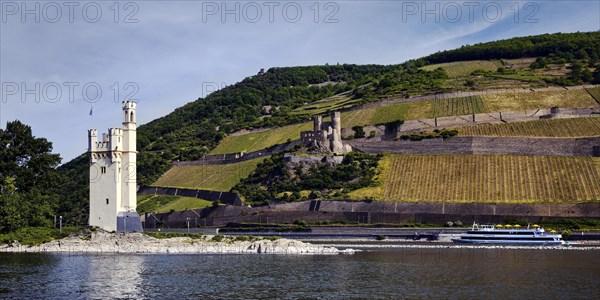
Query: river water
x=376, y=274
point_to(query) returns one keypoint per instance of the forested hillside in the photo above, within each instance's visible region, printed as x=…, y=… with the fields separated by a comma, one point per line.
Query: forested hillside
x=566, y=45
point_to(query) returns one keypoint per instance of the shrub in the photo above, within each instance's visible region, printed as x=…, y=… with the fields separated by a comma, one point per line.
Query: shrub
x=391, y=127
x=430, y=135
x=449, y=224
x=34, y=236
x=372, y=134
x=300, y=223
x=358, y=132
x=314, y=195
x=245, y=238
x=217, y=238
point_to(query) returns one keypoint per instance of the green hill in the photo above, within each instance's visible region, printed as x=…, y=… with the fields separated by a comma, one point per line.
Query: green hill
x=294, y=94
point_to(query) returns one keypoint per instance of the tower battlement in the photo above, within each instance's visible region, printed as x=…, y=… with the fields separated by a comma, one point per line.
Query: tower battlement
x=113, y=141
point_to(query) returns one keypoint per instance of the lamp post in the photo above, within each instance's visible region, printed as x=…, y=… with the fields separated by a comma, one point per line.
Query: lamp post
x=60, y=224
x=187, y=220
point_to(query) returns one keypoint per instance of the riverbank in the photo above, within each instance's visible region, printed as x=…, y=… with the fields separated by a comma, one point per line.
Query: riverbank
x=103, y=242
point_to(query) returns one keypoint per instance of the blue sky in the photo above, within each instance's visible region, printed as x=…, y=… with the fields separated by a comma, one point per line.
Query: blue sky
x=168, y=53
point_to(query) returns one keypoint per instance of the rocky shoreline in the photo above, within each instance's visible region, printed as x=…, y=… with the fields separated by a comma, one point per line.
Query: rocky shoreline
x=102, y=242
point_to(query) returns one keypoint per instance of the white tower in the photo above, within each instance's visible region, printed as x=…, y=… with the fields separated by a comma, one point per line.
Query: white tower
x=113, y=182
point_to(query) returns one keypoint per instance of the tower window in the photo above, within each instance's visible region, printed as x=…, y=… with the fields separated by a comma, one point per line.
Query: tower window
x=106, y=201
x=103, y=170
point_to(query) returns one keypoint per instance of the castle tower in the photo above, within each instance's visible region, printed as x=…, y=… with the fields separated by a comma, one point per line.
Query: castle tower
x=336, y=135
x=113, y=183
x=317, y=122
x=129, y=156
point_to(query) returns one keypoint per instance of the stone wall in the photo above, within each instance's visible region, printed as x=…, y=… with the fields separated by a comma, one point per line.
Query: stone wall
x=376, y=212
x=223, y=197
x=411, y=126
x=484, y=145
x=222, y=159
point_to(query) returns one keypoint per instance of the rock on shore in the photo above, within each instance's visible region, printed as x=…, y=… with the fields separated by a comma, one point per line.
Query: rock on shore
x=102, y=242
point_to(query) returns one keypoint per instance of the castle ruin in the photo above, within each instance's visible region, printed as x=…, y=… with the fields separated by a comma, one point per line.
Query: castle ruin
x=326, y=136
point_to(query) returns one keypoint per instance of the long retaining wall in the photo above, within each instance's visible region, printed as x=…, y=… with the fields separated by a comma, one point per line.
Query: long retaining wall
x=223, y=197
x=230, y=158
x=486, y=145
x=375, y=212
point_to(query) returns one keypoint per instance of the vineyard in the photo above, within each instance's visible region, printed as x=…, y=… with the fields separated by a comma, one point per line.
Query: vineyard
x=404, y=111
x=595, y=92
x=166, y=203
x=490, y=179
x=579, y=127
x=359, y=117
x=457, y=106
x=464, y=68
x=208, y=177
x=260, y=140
x=533, y=100
x=518, y=63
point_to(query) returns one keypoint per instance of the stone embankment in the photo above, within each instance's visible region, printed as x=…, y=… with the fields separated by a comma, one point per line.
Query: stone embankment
x=101, y=242
x=486, y=145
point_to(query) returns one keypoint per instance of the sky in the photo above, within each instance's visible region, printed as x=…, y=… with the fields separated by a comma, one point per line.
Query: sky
x=61, y=60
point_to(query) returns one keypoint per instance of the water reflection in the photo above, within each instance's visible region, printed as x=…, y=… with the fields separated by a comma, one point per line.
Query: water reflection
x=115, y=276
x=382, y=274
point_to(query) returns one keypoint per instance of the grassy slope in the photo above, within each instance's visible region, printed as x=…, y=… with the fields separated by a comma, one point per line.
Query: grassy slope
x=595, y=92
x=209, y=177
x=464, y=68
x=260, y=140
x=580, y=127
x=166, y=203
x=487, y=179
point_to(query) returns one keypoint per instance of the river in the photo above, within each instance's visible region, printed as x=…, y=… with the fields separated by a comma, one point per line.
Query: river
x=371, y=274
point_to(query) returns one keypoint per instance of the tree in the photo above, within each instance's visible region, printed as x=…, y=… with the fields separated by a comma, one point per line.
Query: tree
x=596, y=78
x=29, y=178
x=26, y=158
x=10, y=214
x=358, y=132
